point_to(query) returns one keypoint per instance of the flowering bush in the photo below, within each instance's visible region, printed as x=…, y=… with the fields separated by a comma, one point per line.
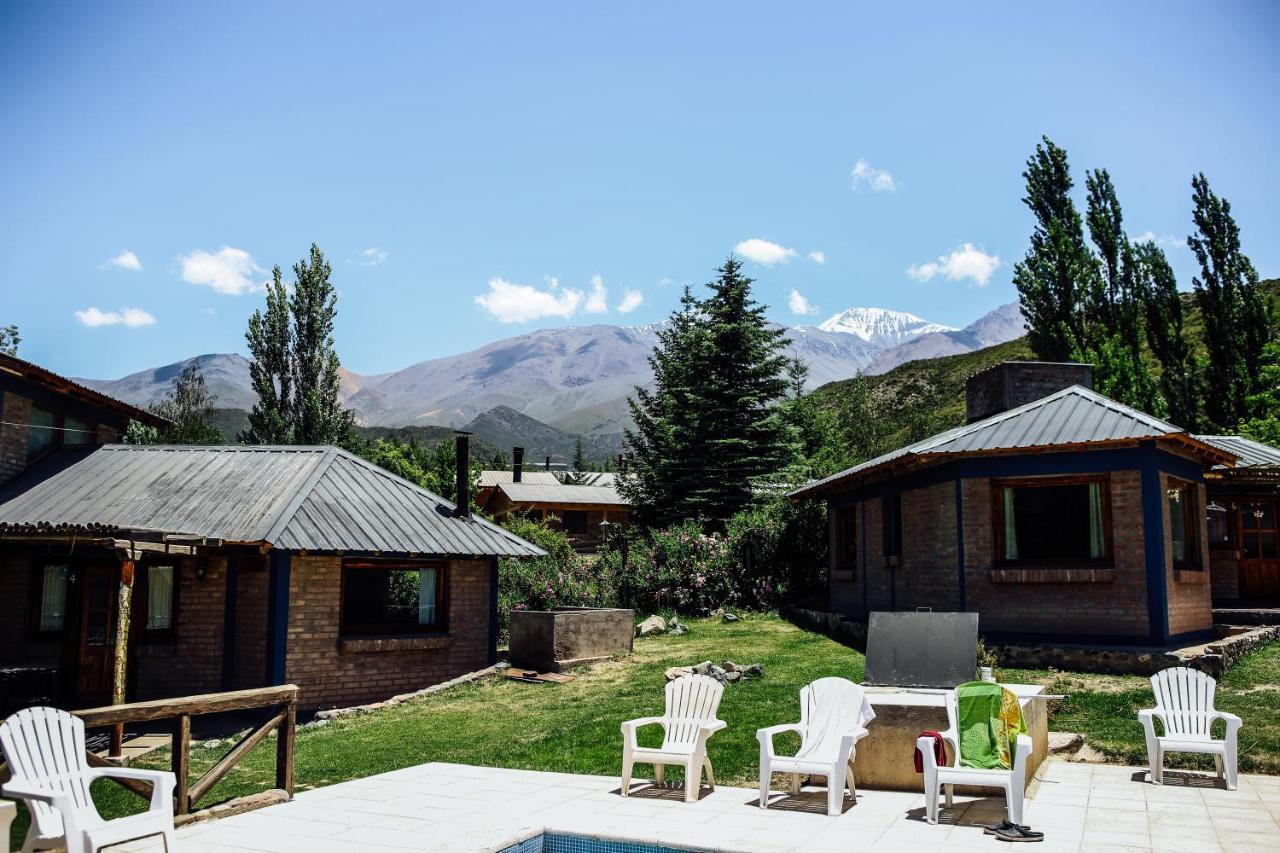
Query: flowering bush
x=561, y=578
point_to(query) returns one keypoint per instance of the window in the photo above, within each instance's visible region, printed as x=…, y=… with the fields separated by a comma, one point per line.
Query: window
x=891, y=512
x=575, y=521
x=1222, y=525
x=1184, y=524
x=42, y=433
x=76, y=432
x=51, y=614
x=1258, y=530
x=845, y=520
x=1053, y=520
x=392, y=598
x=160, y=598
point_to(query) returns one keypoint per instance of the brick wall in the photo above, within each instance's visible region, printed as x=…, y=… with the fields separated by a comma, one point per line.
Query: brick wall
x=1224, y=569
x=193, y=662
x=929, y=575
x=16, y=592
x=332, y=677
x=251, y=623
x=880, y=576
x=13, y=439
x=844, y=589
x=1190, y=592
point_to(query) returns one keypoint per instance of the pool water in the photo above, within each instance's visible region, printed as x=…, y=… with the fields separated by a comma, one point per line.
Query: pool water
x=558, y=843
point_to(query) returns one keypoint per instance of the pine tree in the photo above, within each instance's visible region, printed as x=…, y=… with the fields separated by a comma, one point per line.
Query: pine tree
x=270, y=370
x=1157, y=287
x=1057, y=267
x=578, y=476
x=188, y=406
x=9, y=339
x=295, y=367
x=1237, y=314
x=711, y=425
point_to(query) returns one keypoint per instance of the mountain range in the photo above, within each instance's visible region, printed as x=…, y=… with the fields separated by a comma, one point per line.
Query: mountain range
x=576, y=380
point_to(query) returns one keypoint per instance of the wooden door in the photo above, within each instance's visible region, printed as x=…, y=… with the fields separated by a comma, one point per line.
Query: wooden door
x=98, y=610
x=1259, y=557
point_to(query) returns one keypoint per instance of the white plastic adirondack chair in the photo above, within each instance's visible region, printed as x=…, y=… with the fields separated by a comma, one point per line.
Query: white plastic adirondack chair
x=833, y=717
x=45, y=749
x=687, y=722
x=1014, y=781
x=1184, y=707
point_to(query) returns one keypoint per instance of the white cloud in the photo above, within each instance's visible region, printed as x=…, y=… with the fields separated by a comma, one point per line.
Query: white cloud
x=228, y=270
x=878, y=180
x=818, y=257
x=966, y=262
x=799, y=305
x=126, y=260
x=665, y=280
x=522, y=303
x=597, y=301
x=764, y=252
x=373, y=256
x=131, y=317
x=1164, y=241
x=631, y=300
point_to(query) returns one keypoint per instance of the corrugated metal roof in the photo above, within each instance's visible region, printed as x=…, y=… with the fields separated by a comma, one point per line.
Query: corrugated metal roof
x=1070, y=417
x=313, y=498
x=561, y=494
x=488, y=479
x=1253, y=454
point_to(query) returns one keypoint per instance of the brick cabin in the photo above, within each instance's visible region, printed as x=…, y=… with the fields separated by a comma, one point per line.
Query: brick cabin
x=1056, y=513
x=242, y=567
x=1244, y=514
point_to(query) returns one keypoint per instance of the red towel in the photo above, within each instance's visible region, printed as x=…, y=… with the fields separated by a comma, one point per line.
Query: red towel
x=939, y=751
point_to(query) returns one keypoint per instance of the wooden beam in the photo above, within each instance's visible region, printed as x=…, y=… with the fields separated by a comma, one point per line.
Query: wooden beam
x=209, y=703
x=232, y=757
x=124, y=613
x=180, y=763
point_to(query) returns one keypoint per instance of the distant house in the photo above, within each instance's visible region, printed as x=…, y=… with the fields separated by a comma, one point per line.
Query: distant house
x=1243, y=509
x=199, y=569
x=1055, y=513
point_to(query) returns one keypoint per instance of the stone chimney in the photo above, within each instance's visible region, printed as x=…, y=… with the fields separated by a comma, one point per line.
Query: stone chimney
x=1015, y=383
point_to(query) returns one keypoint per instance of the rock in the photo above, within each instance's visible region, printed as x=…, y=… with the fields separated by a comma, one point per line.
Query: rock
x=703, y=668
x=1065, y=742
x=674, y=672
x=314, y=724
x=755, y=670
x=211, y=744
x=650, y=626
x=731, y=677
x=729, y=666
x=718, y=674
x=676, y=627
x=729, y=617
x=502, y=666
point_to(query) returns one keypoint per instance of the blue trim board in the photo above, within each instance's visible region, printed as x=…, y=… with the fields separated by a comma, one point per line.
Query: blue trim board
x=1153, y=548
x=280, y=565
x=960, y=537
x=866, y=569
x=229, y=620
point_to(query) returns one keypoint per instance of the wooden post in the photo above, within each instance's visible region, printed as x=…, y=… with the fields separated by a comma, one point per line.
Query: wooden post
x=123, y=614
x=181, y=763
x=284, y=748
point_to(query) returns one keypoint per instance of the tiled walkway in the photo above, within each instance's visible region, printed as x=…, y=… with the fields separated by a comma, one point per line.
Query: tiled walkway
x=450, y=807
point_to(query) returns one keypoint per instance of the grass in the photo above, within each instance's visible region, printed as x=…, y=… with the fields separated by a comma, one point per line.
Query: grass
x=573, y=727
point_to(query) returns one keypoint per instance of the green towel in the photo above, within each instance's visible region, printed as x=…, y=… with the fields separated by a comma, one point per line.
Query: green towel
x=989, y=722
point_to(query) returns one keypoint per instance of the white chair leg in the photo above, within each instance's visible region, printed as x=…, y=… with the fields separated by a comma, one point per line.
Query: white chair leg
x=692, y=779
x=1229, y=767
x=659, y=771
x=931, y=794
x=170, y=843
x=835, y=794
x=795, y=784
x=1157, y=765
x=711, y=774
x=1013, y=800
x=951, y=789
x=853, y=784
x=1217, y=765
x=764, y=786
x=627, y=764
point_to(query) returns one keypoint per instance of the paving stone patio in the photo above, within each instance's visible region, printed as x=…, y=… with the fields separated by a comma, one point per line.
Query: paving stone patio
x=450, y=807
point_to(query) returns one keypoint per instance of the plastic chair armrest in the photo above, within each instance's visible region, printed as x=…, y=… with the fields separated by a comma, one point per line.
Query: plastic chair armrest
x=60, y=800
x=163, y=782
x=630, y=726
x=766, y=735
x=1148, y=716
x=925, y=746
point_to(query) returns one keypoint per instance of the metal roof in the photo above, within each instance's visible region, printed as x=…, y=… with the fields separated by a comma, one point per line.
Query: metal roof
x=489, y=479
x=33, y=372
x=1071, y=417
x=562, y=494
x=1253, y=454
x=292, y=497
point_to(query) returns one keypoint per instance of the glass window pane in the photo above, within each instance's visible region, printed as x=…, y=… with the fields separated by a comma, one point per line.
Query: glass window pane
x=41, y=434
x=159, y=598
x=1267, y=517
x=1055, y=522
x=384, y=601
x=427, y=597
x=1177, y=524
x=1250, y=543
x=1268, y=546
x=76, y=432
x=53, y=598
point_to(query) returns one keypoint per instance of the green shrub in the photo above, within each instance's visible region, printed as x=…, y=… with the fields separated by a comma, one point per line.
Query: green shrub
x=561, y=578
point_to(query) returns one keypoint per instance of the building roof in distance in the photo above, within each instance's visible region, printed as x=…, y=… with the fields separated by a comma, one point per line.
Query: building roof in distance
x=525, y=493
x=489, y=479
x=1253, y=454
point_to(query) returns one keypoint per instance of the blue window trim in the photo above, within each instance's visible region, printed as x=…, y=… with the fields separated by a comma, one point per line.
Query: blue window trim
x=280, y=565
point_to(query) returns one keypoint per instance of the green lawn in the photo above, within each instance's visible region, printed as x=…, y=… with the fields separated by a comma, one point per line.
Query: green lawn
x=573, y=727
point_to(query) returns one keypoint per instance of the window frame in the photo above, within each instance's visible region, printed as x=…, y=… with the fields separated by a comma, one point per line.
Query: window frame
x=36, y=599
x=59, y=427
x=576, y=513
x=845, y=538
x=1191, y=515
x=998, y=485
x=350, y=630
x=142, y=613
x=891, y=524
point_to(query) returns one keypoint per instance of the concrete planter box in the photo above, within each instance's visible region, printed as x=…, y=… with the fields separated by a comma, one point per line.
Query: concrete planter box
x=550, y=640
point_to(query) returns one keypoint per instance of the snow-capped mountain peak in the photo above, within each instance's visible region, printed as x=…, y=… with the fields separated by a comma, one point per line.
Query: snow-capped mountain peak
x=880, y=326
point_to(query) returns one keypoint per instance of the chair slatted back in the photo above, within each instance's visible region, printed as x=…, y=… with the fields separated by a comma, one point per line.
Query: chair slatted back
x=691, y=701
x=45, y=748
x=1185, y=698
x=829, y=708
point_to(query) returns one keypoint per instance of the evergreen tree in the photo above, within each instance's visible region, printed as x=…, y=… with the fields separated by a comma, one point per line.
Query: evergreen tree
x=1113, y=311
x=295, y=367
x=9, y=340
x=1057, y=267
x=1236, y=313
x=188, y=406
x=1264, y=426
x=270, y=371
x=1158, y=290
x=578, y=476
x=712, y=424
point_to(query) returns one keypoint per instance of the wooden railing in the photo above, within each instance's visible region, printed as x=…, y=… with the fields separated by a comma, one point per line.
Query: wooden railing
x=281, y=708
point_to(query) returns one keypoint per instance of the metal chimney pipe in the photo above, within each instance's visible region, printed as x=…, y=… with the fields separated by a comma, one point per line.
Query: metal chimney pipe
x=463, y=481
x=517, y=464
x=548, y=465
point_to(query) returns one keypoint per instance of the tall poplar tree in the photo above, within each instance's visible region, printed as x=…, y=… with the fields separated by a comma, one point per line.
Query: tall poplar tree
x=712, y=424
x=1057, y=267
x=1157, y=288
x=1237, y=314
x=188, y=406
x=294, y=368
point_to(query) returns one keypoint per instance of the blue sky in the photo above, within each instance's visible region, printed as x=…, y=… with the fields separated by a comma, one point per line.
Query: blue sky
x=462, y=167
